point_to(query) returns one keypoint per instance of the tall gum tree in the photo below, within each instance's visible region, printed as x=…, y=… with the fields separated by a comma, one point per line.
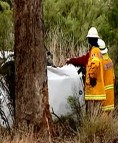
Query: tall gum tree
x=32, y=107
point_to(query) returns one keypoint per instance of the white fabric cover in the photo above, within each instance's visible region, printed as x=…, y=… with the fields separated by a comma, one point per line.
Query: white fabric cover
x=62, y=83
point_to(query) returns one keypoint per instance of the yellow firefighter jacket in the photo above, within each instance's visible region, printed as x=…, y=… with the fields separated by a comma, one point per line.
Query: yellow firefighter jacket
x=109, y=78
x=94, y=69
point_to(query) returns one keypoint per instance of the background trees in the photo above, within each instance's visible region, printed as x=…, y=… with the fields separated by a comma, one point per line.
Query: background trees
x=6, y=27
x=113, y=42
x=67, y=23
x=73, y=17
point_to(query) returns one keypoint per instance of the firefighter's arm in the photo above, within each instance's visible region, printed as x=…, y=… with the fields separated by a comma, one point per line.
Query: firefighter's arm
x=93, y=71
x=79, y=61
x=94, y=67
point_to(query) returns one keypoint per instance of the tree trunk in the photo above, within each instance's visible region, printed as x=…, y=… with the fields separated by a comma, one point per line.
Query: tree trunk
x=31, y=90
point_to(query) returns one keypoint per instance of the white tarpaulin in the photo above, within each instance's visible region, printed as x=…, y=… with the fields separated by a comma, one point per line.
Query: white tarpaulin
x=62, y=83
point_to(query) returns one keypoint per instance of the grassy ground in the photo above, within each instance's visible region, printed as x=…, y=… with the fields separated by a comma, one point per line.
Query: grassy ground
x=97, y=128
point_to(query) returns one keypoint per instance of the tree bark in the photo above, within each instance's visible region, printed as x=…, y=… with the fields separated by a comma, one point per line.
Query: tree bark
x=32, y=107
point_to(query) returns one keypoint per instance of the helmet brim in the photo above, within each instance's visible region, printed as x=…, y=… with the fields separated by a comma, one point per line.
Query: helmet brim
x=104, y=51
x=92, y=36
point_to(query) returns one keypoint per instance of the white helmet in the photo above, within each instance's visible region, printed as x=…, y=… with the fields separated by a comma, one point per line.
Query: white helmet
x=93, y=33
x=102, y=46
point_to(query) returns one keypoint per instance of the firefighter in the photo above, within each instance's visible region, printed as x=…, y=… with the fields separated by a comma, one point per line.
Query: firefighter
x=94, y=84
x=109, y=78
x=83, y=60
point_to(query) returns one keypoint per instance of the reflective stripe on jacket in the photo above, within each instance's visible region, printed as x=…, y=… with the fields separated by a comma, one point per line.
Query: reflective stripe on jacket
x=94, y=70
x=109, y=77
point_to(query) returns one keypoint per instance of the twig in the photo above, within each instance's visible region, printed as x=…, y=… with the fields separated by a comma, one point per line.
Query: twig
x=62, y=122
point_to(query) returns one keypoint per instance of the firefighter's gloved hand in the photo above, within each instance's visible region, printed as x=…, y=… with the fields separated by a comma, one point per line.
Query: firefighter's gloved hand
x=93, y=82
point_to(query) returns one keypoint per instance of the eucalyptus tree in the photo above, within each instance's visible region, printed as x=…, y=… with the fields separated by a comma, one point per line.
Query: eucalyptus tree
x=32, y=107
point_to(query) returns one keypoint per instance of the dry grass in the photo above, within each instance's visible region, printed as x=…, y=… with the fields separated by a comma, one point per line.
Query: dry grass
x=62, y=48
x=99, y=128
